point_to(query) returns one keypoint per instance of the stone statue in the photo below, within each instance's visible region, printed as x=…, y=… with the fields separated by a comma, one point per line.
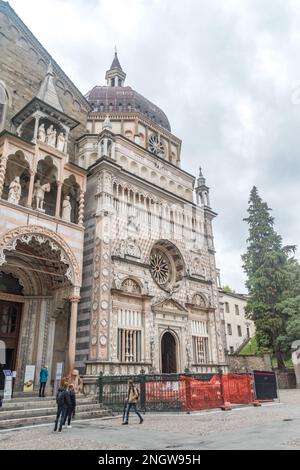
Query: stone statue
x=49, y=137
x=53, y=142
x=42, y=133
x=61, y=140
x=14, y=194
x=296, y=360
x=66, y=209
x=132, y=248
x=39, y=194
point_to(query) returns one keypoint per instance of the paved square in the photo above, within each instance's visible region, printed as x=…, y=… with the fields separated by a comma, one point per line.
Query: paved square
x=272, y=426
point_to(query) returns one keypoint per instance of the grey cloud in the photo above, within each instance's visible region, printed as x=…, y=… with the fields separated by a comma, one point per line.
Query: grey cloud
x=223, y=72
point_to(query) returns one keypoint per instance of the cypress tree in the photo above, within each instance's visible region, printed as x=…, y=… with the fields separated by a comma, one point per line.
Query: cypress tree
x=266, y=267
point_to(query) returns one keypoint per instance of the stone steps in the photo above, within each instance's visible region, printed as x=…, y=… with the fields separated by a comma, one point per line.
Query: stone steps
x=42, y=411
x=35, y=420
x=29, y=411
x=40, y=403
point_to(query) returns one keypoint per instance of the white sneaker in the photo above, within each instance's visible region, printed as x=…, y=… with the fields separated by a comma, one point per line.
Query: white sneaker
x=69, y=427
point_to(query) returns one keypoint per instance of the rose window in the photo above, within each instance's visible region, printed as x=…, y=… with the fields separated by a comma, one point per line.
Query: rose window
x=160, y=268
x=155, y=146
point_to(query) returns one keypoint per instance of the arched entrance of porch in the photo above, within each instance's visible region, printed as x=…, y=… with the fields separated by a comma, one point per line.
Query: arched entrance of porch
x=40, y=300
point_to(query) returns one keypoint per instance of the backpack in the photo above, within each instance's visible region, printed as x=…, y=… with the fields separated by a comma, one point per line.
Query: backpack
x=60, y=398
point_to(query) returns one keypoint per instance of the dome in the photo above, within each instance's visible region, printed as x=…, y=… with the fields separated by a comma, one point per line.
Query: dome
x=125, y=99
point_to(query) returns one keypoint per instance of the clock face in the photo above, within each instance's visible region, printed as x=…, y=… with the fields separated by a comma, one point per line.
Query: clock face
x=156, y=147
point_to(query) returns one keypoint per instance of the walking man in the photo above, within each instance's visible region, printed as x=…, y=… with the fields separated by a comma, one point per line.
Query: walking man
x=133, y=395
x=71, y=409
x=43, y=380
x=63, y=403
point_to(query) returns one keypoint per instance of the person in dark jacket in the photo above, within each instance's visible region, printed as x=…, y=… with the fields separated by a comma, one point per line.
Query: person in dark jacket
x=72, y=407
x=63, y=403
x=43, y=380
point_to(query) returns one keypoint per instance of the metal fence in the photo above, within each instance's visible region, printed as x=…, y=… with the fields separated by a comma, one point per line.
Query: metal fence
x=177, y=392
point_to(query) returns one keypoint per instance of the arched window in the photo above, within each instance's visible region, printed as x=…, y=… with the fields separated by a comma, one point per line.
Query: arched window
x=4, y=104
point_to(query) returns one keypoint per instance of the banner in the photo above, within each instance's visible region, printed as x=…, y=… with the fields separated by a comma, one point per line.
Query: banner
x=7, y=385
x=58, y=375
x=29, y=379
x=2, y=353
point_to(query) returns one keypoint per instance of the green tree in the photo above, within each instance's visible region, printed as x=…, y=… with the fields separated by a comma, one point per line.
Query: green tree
x=290, y=307
x=266, y=266
x=228, y=290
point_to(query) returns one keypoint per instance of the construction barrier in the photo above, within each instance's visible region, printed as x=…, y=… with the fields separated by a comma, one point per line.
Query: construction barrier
x=199, y=395
x=180, y=392
x=237, y=388
x=220, y=392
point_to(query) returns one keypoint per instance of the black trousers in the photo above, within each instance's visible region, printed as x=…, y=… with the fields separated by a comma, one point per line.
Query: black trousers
x=132, y=406
x=69, y=415
x=42, y=389
x=61, y=413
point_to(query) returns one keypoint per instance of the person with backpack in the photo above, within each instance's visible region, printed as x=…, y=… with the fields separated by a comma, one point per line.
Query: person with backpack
x=43, y=380
x=133, y=396
x=71, y=409
x=63, y=403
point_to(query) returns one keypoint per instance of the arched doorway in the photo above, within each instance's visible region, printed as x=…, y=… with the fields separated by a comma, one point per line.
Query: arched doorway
x=38, y=303
x=168, y=354
x=10, y=317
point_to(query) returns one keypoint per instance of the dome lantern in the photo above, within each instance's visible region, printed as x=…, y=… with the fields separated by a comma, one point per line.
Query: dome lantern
x=115, y=76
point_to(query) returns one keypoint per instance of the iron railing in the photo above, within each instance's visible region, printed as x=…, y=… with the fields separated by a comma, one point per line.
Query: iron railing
x=158, y=392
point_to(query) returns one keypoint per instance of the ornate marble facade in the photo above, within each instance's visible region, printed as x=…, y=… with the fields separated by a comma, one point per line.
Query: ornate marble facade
x=98, y=216
x=150, y=260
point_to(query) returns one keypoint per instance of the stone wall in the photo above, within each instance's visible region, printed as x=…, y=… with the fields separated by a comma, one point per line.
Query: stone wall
x=286, y=378
x=248, y=363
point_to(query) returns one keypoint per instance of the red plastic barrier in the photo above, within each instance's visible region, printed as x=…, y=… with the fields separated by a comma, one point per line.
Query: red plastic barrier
x=220, y=391
x=163, y=391
x=237, y=388
x=200, y=395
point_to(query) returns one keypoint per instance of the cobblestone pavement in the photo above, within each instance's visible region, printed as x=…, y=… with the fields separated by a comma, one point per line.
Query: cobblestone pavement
x=272, y=426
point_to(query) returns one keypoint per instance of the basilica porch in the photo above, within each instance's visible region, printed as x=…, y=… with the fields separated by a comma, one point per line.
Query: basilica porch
x=39, y=295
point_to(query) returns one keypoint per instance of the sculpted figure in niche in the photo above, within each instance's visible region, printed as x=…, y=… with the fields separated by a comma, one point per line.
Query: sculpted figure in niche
x=53, y=143
x=66, y=209
x=61, y=140
x=132, y=248
x=14, y=194
x=49, y=135
x=39, y=194
x=42, y=133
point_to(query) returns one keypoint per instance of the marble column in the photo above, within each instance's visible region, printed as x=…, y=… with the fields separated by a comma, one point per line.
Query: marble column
x=58, y=199
x=72, y=335
x=81, y=208
x=30, y=190
x=3, y=164
x=36, y=128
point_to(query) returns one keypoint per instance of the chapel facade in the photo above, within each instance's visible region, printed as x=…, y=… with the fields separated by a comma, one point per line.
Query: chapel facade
x=107, y=260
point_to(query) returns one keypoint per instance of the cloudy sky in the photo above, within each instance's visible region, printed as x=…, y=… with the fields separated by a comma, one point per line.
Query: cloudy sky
x=226, y=73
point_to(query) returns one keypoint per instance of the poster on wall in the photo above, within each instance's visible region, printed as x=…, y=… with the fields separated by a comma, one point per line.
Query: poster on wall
x=29, y=379
x=58, y=375
x=7, y=385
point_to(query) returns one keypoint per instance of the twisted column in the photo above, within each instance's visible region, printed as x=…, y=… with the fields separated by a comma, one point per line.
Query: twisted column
x=81, y=208
x=3, y=164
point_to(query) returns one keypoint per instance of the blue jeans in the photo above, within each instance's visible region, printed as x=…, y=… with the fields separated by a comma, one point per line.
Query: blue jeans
x=132, y=406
